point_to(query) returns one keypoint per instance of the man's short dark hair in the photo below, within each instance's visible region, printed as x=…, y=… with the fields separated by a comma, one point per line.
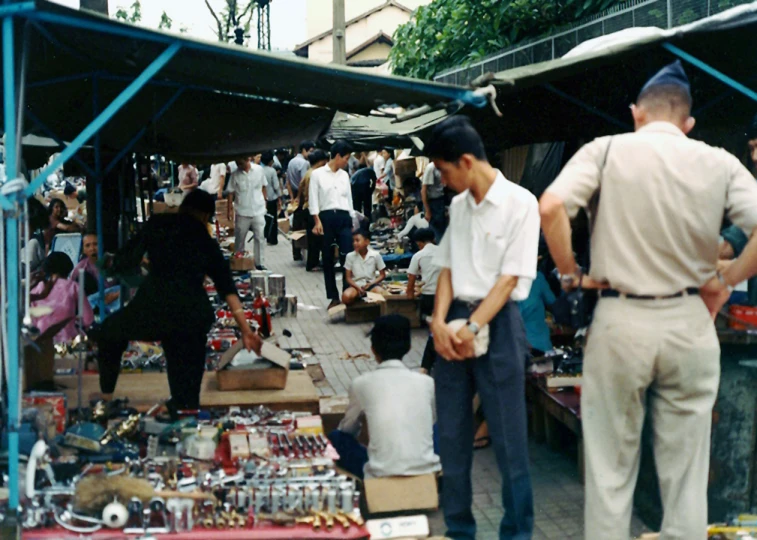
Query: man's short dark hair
x=365, y=233
x=390, y=337
x=425, y=235
x=666, y=99
x=266, y=158
x=452, y=138
x=317, y=155
x=306, y=145
x=341, y=149
x=58, y=263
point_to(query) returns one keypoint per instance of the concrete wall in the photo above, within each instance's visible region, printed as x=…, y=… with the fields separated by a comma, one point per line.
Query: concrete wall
x=320, y=13
x=387, y=20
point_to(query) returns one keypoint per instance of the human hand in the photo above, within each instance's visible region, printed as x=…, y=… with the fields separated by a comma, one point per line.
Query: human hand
x=318, y=229
x=714, y=294
x=251, y=340
x=466, y=349
x=423, y=371
x=428, y=216
x=445, y=341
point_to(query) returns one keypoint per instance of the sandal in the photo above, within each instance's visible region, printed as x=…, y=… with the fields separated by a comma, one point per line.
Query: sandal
x=481, y=443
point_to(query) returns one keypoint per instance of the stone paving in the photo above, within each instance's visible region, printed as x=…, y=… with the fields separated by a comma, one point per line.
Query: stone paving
x=343, y=352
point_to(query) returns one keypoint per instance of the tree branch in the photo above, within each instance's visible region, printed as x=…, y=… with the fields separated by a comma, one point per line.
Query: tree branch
x=247, y=9
x=221, y=36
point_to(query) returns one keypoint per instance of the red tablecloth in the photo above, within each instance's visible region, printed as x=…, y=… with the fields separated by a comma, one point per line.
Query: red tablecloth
x=302, y=532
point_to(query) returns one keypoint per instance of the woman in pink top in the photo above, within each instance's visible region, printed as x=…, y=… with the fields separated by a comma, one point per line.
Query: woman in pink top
x=188, y=177
x=62, y=295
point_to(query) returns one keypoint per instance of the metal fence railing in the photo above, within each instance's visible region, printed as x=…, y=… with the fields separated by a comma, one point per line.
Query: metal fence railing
x=634, y=13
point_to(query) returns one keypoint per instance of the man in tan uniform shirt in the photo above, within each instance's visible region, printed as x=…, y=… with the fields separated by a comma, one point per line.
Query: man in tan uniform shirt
x=652, y=343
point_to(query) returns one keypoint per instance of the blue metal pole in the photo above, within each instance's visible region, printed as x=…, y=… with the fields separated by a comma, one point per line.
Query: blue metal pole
x=11, y=257
x=107, y=113
x=98, y=198
x=722, y=77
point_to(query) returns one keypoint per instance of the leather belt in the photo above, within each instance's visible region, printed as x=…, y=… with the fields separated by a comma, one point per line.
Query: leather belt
x=613, y=293
x=472, y=305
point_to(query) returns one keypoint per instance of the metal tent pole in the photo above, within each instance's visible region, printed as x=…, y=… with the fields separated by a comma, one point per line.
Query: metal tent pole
x=98, y=198
x=11, y=257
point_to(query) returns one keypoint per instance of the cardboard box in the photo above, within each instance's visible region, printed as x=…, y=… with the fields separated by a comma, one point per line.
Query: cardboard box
x=364, y=311
x=242, y=264
x=407, y=527
x=404, y=168
x=284, y=225
x=274, y=378
x=400, y=304
x=54, y=400
x=401, y=493
x=163, y=208
x=299, y=239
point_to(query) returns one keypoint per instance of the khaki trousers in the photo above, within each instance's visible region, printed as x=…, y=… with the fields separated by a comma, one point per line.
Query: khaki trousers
x=664, y=355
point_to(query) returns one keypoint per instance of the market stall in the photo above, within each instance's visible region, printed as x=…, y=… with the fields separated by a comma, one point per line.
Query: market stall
x=134, y=92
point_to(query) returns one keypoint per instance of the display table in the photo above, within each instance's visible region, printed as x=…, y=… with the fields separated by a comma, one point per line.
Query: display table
x=256, y=533
x=549, y=410
x=146, y=389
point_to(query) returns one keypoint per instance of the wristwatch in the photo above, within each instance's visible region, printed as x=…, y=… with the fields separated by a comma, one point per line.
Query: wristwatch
x=721, y=279
x=570, y=281
x=473, y=327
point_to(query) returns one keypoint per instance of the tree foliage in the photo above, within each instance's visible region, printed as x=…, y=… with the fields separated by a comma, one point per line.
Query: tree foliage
x=450, y=33
x=166, y=22
x=132, y=17
x=233, y=13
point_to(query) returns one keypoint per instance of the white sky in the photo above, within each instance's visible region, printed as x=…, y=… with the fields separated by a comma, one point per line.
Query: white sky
x=288, y=24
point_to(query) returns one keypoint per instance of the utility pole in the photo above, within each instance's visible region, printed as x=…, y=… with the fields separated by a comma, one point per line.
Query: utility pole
x=340, y=49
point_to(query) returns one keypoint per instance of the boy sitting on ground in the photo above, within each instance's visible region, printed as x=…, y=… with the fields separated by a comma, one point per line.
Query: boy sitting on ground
x=361, y=267
x=398, y=406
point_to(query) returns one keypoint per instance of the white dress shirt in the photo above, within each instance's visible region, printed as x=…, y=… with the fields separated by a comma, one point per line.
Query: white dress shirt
x=212, y=184
x=378, y=165
x=417, y=220
x=248, y=189
x=364, y=269
x=424, y=264
x=329, y=190
x=398, y=405
x=497, y=237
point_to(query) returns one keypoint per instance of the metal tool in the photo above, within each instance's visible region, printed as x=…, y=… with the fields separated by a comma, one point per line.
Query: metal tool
x=182, y=519
x=156, y=517
x=136, y=522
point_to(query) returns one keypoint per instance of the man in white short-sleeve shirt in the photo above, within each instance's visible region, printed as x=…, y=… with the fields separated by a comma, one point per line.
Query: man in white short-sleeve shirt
x=214, y=184
x=247, y=188
x=488, y=260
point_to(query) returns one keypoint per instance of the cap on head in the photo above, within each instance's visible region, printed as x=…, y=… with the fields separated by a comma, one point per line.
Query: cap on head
x=671, y=75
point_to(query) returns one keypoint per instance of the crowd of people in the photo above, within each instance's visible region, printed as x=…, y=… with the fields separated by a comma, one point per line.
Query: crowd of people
x=655, y=250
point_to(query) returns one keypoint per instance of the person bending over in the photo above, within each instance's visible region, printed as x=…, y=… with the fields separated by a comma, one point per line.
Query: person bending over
x=398, y=406
x=361, y=267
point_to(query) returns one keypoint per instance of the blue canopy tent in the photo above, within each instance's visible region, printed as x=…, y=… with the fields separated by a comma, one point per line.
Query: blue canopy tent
x=81, y=77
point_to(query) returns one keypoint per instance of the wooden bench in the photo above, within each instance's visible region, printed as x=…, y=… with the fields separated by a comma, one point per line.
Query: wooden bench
x=550, y=410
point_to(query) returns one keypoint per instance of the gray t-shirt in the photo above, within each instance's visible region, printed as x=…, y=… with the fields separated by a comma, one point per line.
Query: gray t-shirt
x=273, y=190
x=296, y=170
x=433, y=179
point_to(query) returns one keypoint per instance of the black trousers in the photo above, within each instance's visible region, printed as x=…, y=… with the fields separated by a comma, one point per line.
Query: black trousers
x=337, y=229
x=362, y=196
x=271, y=222
x=315, y=246
x=184, y=346
x=438, y=219
x=429, y=353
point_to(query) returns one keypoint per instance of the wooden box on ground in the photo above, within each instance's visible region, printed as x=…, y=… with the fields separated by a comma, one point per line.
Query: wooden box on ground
x=402, y=305
x=362, y=311
x=401, y=493
x=162, y=208
x=274, y=378
x=242, y=264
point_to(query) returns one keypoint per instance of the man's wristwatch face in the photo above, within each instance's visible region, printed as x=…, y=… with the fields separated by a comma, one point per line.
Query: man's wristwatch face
x=568, y=280
x=473, y=328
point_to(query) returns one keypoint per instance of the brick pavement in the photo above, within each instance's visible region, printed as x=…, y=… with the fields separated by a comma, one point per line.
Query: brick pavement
x=558, y=492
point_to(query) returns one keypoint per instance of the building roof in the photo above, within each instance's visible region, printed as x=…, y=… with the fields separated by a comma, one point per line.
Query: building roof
x=389, y=3
x=381, y=37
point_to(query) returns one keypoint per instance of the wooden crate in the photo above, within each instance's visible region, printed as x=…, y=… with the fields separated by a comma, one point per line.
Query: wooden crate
x=363, y=312
x=402, y=305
